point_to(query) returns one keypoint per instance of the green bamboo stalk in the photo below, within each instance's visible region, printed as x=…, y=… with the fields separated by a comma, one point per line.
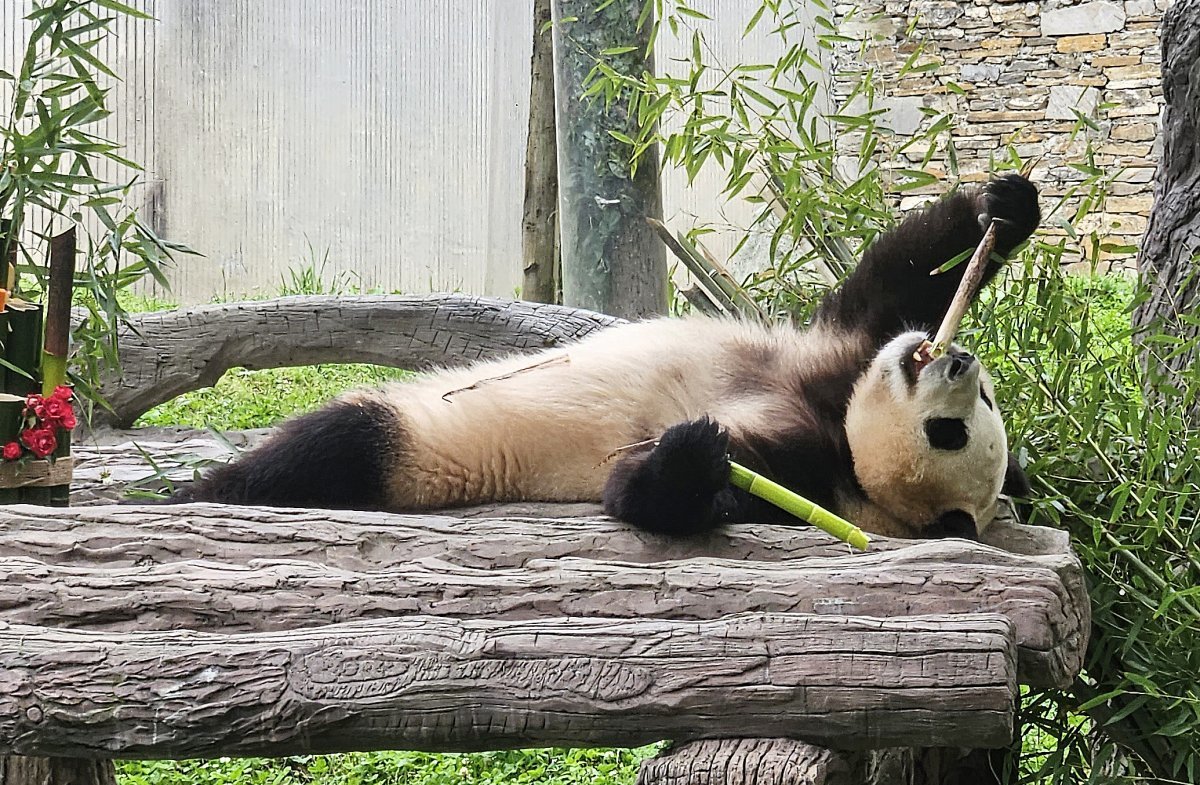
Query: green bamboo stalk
x=794, y=503
x=23, y=350
x=58, y=310
x=60, y=495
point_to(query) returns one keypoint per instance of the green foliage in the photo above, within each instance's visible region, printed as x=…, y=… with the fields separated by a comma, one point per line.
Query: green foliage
x=540, y=766
x=255, y=399
x=50, y=171
x=1120, y=475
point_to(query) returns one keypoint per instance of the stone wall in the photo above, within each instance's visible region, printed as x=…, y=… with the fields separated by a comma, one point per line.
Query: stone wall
x=1016, y=73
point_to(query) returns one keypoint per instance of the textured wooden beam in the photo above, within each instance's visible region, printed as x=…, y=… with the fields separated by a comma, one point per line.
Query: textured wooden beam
x=444, y=684
x=1042, y=595
x=782, y=761
x=167, y=353
x=128, y=535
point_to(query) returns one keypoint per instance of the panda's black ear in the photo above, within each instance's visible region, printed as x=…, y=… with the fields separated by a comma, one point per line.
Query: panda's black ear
x=1016, y=482
x=954, y=523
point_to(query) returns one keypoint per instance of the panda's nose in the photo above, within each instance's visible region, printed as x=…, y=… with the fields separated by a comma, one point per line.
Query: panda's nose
x=960, y=363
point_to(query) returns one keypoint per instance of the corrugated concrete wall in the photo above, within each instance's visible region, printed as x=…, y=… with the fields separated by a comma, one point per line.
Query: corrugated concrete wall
x=388, y=134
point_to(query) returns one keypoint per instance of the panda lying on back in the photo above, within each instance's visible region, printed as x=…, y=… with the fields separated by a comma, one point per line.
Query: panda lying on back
x=841, y=413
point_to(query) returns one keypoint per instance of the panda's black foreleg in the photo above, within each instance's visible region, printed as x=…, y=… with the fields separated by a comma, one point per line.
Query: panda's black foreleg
x=680, y=487
x=891, y=289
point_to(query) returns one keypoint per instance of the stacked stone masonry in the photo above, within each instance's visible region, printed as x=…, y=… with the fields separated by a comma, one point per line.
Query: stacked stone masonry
x=1016, y=73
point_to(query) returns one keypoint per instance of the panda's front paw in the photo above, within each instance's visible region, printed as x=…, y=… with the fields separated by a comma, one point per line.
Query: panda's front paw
x=679, y=486
x=1013, y=201
x=694, y=455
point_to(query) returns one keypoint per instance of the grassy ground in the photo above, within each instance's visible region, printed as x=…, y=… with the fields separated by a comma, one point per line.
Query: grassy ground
x=544, y=767
x=255, y=399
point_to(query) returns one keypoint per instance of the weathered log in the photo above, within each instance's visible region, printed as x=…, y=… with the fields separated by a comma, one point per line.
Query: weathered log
x=498, y=536
x=442, y=684
x=167, y=353
x=1042, y=595
x=21, y=770
x=780, y=761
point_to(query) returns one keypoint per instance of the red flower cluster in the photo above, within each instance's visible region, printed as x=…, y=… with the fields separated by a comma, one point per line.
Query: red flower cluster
x=44, y=417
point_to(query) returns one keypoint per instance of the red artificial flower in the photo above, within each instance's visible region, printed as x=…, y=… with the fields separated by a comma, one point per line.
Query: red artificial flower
x=35, y=404
x=62, y=393
x=40, y=441
x=12, y=451
x=58, y=412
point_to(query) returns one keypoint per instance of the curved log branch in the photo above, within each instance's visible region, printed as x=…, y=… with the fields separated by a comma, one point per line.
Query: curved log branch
x=165, y=354
x=444, y=684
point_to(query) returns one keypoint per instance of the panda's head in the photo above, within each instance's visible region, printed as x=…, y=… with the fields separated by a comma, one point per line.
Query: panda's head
x=928, y=442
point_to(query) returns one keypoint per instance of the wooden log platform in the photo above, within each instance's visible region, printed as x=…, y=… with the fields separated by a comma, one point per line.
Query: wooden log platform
x=164, y=631
x=1043, y=595
x=445, y=684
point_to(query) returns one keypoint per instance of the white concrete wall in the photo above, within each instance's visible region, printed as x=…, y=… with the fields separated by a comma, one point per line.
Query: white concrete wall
x=389, y=133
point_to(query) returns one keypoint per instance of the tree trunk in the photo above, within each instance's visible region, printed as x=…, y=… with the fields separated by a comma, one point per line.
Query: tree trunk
x=1168, y=258
x=612, y=261
x=443, y=684
x=539, y=225
x=21, y=770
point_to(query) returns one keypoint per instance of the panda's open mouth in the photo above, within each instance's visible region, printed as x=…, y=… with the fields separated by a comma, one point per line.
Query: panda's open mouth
x=921, y=356
x=916, y=359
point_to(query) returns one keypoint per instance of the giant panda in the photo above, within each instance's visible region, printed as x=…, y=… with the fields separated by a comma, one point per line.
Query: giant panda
x=646, y=416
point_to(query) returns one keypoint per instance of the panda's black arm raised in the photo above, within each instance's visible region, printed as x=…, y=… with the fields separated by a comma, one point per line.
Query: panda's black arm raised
x=891, y=289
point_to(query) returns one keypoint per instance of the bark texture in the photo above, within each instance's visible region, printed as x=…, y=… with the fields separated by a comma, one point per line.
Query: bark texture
x=1168, y=258
x=539, y=223
x=22, y=770
x=1043, y=596
x=443, y=684
x=501, y=536
x=166, y=354
x=782, y=761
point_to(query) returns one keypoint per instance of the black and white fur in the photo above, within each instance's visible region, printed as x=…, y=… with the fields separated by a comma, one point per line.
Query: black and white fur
x=840, y=412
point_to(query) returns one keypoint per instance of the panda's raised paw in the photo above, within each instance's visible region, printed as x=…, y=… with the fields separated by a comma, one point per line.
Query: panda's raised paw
x=1013, y=200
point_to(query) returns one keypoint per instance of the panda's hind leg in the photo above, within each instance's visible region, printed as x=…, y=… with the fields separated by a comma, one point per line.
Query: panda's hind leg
x=337, y=457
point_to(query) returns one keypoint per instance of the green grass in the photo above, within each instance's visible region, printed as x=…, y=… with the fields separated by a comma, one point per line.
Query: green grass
x=540, y=766
x=255, y=399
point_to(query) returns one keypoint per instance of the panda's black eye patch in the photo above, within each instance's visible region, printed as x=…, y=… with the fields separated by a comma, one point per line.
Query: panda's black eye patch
x=986, y=399
x=946, y=433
